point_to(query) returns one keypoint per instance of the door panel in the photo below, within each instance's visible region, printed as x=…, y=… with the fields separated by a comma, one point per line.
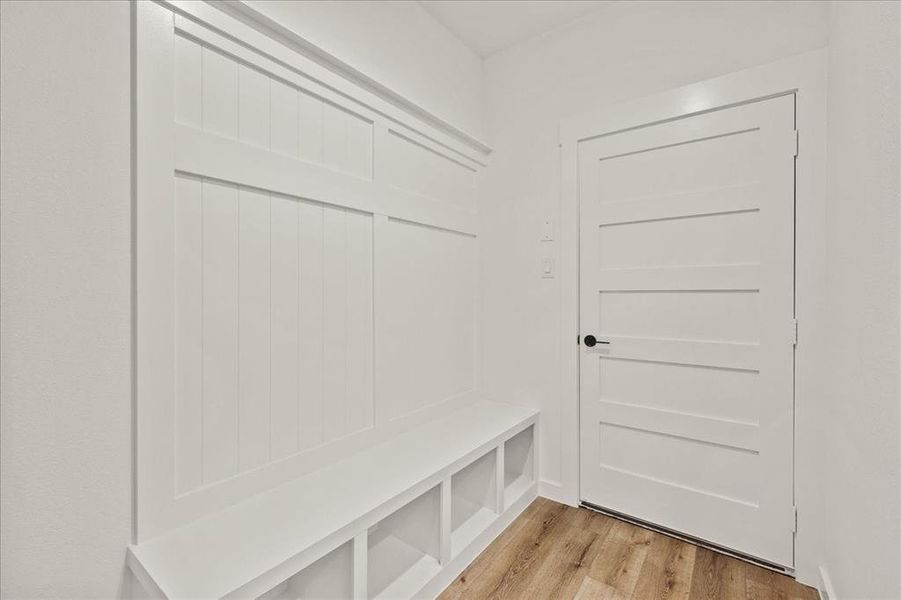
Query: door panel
x=687, y=272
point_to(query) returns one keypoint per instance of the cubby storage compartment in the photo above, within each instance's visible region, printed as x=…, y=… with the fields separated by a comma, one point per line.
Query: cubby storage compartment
x=404, y=548
x=519, y=473
x=474, y=501
x=329, y=577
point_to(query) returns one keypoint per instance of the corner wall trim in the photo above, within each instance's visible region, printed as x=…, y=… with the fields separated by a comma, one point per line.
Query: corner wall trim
x=824, y=585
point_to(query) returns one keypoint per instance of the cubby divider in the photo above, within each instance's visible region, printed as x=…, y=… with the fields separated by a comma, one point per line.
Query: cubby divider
x=474, y=501
x=519, y=471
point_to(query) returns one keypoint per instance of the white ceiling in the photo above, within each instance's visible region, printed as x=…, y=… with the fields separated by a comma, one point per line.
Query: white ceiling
x=487, y=26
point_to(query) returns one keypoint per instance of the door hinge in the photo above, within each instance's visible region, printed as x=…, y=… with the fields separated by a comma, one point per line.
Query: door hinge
x=797, y=143
x=794, y=332
x=795, y=520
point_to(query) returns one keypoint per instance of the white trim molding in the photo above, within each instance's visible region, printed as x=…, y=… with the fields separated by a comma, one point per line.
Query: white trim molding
x=824, y=586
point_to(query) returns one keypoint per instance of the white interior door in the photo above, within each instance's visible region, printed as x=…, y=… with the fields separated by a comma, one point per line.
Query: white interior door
x=687, y=245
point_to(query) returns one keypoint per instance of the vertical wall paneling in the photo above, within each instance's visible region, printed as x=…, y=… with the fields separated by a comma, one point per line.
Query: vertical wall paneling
x=381, y=331
x=334, y=138
x=219, y=94
x=431, y=289
x=253, y=107
x=427, y=172
x=359, y=146
x=189, y=331
x=289, y=263
x=284, y=316
x=254, y=335
x=381, y=161
x=188, y=82
x=335, y=323
x=312, y=334
x=284, y=125
x=220, y=330
x=310, y=127
x=358, y=349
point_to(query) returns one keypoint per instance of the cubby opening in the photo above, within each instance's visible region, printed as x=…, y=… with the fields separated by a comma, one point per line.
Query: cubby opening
x=518, y=460
x=404, y=548
x=474, y=501
x=329, y=577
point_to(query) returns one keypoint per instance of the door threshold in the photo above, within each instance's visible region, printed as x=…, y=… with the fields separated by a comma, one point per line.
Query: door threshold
x=689, y=539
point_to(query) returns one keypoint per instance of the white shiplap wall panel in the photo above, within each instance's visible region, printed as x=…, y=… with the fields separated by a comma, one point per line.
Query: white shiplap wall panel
x=427, y=332
x=334, y=289
x=359, y=146
x=304, y=280
x=429, y=172
x=284, y=125
x=188, y=94
x=253, y=107
x=220, y=330
x=274, y=310
x=312, y=330
x=310, y=127
x=284, y=318
x=254, y=301
x=359, y=323
x=219, y=94
x=189, y=333
x=334, y=138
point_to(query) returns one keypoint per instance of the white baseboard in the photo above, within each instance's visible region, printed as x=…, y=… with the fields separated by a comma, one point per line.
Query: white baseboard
x=824, y=586
x=556, y=492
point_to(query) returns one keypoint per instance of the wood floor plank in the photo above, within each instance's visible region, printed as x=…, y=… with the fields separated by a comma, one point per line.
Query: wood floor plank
x=667, y=570
x=621, y=557
x=559, y=563
x=581, y=518
x=486, y=558
x=716, y=577
x=552, y=551
x=513, y=562
x=592, y=589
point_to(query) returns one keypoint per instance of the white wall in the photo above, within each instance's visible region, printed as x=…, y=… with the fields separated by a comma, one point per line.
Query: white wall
x=397, y=43
x=623, y=51
x=65, y=489
x=859, y=424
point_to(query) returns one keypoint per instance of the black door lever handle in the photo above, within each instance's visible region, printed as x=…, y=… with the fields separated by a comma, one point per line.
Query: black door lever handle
x=590, y=341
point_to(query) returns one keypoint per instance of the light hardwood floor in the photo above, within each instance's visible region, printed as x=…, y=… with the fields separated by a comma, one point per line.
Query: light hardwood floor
x=556, y=551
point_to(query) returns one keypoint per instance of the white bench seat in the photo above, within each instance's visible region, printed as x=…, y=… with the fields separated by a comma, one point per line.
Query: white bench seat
x=250, y=548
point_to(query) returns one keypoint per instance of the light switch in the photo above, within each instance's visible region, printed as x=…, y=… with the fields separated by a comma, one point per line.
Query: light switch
x=547, y=268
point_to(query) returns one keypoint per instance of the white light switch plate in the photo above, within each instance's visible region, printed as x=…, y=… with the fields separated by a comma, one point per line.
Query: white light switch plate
x=547, y=268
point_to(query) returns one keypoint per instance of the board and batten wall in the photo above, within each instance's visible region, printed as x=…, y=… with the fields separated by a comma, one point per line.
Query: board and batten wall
x=306, y=267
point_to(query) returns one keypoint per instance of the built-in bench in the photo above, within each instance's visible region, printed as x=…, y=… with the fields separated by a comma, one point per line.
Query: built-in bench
x=399, y=520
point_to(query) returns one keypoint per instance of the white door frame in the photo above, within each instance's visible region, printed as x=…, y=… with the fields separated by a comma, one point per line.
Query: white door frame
x=805, y=75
